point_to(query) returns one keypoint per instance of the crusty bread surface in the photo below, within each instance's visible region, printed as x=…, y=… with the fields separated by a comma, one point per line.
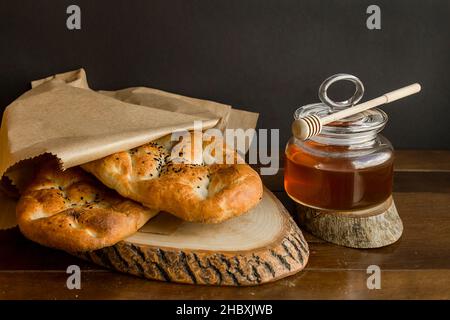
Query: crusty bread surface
x=72, y=211
x=196, y=181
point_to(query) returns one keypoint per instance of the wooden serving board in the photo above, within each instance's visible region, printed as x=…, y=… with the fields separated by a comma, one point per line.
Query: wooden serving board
x=261, y=246
x=374, y=227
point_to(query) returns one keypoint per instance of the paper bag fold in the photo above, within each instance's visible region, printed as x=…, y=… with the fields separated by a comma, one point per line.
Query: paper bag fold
x=62, y=117
x=79, y=125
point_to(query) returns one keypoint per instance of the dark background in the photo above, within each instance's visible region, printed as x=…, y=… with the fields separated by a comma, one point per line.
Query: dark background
x=260, y=55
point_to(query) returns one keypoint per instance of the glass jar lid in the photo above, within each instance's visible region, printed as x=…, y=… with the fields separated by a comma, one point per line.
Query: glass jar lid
x=369, y=120
x=357, y=128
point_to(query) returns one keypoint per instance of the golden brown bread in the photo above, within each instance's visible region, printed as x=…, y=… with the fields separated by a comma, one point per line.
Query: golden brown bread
x=179, y=178
x=72, y=211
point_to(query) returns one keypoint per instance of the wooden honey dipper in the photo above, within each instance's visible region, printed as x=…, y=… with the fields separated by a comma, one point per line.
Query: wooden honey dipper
x=309, y=126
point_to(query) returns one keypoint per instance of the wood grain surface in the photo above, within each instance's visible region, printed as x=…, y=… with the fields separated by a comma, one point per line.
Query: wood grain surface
x=415, y=267
x=262, y=246
x=376, y=227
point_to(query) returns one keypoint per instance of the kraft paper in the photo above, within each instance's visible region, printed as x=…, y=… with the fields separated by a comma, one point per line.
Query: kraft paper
x=61, y=117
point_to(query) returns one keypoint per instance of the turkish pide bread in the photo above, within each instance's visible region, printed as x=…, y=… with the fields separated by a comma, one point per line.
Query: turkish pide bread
x=196, y=181
x=72, y=211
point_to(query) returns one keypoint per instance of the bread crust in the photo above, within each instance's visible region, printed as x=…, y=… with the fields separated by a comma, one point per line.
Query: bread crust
x=70, y=210
x=191, y=183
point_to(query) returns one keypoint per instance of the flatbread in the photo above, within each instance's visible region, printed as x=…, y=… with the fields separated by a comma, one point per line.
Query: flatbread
x=209, y=183
x=72, y=211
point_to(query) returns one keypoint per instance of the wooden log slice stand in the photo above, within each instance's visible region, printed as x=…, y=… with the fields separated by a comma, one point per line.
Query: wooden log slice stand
x=370, y=228
x=261, y=246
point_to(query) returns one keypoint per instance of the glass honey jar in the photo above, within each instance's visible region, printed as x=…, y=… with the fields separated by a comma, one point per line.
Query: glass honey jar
x=349, y=165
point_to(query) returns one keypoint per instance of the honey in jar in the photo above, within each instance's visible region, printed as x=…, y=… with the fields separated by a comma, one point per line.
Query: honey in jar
x=348, y=166
x=335, y=183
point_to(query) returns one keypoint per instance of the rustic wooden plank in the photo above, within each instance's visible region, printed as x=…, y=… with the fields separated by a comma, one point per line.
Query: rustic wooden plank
x=438, y=182
x=410, y=160
x=415, y=160
x=422, y=160
x=403, y=181
x=425, y=243
x=311, y=284
x=416, y=267
x=193, y=255
x=19, y=253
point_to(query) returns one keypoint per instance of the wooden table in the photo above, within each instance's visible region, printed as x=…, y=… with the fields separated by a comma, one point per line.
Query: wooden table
x=416, y=267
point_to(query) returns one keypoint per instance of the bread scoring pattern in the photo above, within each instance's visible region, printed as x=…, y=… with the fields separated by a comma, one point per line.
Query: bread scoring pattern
x=72, y=211
x=202, y=181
